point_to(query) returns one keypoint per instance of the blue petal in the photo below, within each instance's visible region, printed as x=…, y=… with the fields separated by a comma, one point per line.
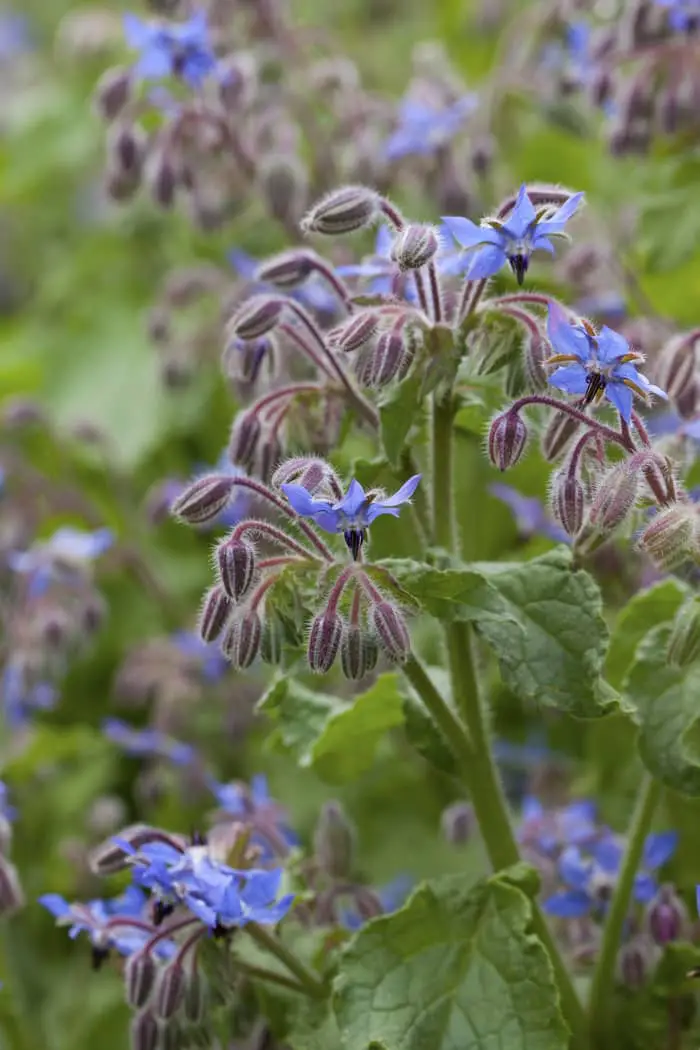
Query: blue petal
x=244, y=264
x=303, y=503
x=452, y=263
x=136, y=32
x=353, y=500
x=542, y=244
x=521, y=217
x=383, y=242
x=532, y=808
x=574, y=869
x=565, y=337
x=154, y=64
x=468, y=234
x=644, y=888
x=261, y=887
x=376, y=510
x=569, y=208
x=620, y=396
x=258, y=789
x=403, y=494
x=659, y=847
x=608, y=855
x=697, y=898
x=55, y=904
x=611, y=345
x=568, y=904
x=572, y=379
x=485, y=262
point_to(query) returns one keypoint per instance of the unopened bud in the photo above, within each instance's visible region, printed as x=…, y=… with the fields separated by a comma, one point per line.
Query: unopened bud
x=482, y=155
x=533, y=364
x=671, y=537
x=507, y=439
x=113, y=91
x=127, y=149
x=283, y=183
x=355, y=332
x=392, y=632
x=144, y=1031
x=273, y=638
x=414, y=246
x=109, y=857
x=387, y=358
x=216, y=609
x=458, y=823
x=634, y=961
x=344, y=210
x=667, y=916
x=684, y=642
x=568, y=501
x=195, y=996
x=140, y=972
x=324, y=641
x=258, y=316
x=11, y=896
x=288, y=269
x=560, y=430
x=241, y=640
x=163, y=181
x=675, y=366
x=334, y=841
x=236, y=562
x=614, y=499
x=203, y=500
x=358, y=652
x=245, y=436
x=170, y=990
x=268, y=457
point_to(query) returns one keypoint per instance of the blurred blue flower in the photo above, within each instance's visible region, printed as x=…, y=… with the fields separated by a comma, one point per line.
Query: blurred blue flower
x=513, y=240
x=531, y=517
x=423, y=128
x=602, y=364
x=681, y=13
x=98, y=918
x=142, y=743
x=7, y=811
x=380, y=270
x=19, y=697
x=253, y=806
x=66, y=551
x=551, y=830
x=314, y=293
x=15, y=35
x=171, y=49
x=213, y=665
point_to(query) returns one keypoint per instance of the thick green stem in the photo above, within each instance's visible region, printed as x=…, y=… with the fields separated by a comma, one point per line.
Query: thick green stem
x=443, y=503
x=311, y=984
x=604, y=976
x=444, y=717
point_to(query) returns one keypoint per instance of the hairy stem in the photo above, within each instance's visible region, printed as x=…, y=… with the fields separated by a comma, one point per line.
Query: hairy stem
x=311, y=984
x=442, y=470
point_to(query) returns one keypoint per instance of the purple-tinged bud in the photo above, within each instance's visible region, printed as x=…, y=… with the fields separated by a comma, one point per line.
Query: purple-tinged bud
x=245, y=435
x=269, y=455
x=658, y=472
x=387, y=358
x=324, y=641
x=195, y=996
x=358, y=652
x=482, y=154
x=144, y=1031
x=634, y=961
x=121, y=186
x=684, y=643
x=127, y=149
x=257, y=316
x=675, y=366
x=283, y=183
x=391, y=631
x=113, y=92
x=458, y=823
x=343, y=210
x=203, y=500
x=163, y=181
x=273, y=638
x=667, y=917
x=334, y=841
x=11, y=896
x=614, y=499
x=170, y=990
x=236, y=563
x=108, y=858
x=568, y=501
x=241, y=640
x=507, y=439
x=533, y=364
x=140, y=972
x=560, y=430
x=216, y=609
x=288, y=269
x=355, y=332
x=671, y=537
x=414, y=247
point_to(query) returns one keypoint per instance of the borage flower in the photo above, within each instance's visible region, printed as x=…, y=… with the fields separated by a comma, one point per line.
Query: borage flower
x=602, y=364
x=255, y=808
x=353, y=514
x=171, y=49
x=147, y=743
x=496, y=242
x=423, y=129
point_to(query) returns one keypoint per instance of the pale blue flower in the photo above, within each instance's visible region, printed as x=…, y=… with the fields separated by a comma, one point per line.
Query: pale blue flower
x=422, y=128
x=171, y=49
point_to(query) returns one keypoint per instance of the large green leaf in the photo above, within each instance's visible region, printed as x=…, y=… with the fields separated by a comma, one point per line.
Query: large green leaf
x=645, y=610
x=399, y=411
x=455, y=969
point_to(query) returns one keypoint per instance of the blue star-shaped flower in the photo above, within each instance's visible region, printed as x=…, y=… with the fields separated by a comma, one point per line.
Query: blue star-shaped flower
x=351, y=515
x=513, y=240
x=603, y=364
x=247, y=896
x=422, y=128
x=551, y=830
x=170, y=49
x=142, y=743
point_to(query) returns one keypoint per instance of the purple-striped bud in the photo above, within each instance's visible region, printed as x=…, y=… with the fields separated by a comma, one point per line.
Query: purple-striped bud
x=391, y=631
x=343, y=210
x=11, y=895
x=356, y=331
x=358, y=652
x=113, y=92
x=288, y=269
x=241, y=639
x=170, y=990
x=109, y=857
x=245, y=436
x=269, y=455
x=236, y=563
x=414, y=246
x=671, y=537
x=324, y=641
x=559, y=432
x=675, y=365
x=507, y=440
x=614, y=499
x=458, y=823
x=667, y=916
x=334, y=841
x=684, y=642
x=568, y=501
x=283, y=184
x=144, y=1031
x=388, y=358
x=140, y=971
x=203, y=500
x=257, y=316
x=216, y=609
x=195, y=996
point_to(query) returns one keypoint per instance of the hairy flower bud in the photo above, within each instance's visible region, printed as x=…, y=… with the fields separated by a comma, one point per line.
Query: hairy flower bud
x=414, y=246
x=343, y=210
x=356, y=331
x=288, y=269
x=163, y=180
x=559, y=432
x=507, y=439
x=241, y=640
x=140, y=972
x=203, y=500
x=389, y=358
x=257, y=316
x=236, y=563
x=684, y=642
x=170, y=990
x=324, y=641
x=358, y=652
x=392, y=632
x=334, y=841
x=113, y=92
x=109, y=857
x=614, y=499
x=126, y=144
x=533, y=364
x=458, y=823
x=144, y=1031
x=667, y=916
x=216, y=609
x=675, y=366
x=283, y=183
x=245, y=436
x=671, y=537
x=568, y=501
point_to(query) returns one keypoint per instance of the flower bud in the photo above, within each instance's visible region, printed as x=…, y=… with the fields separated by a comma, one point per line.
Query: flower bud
x=108, y=858
x=388, y=358
x=269, y=455
x=507, y=439
x=288, y=269
x=675, y=366
x=634, y=961
x=113, y=91
x=273, y=639
x=560, y=430
x=392, y=633
x=614, y=499
x=163, y=181
x=11, y=895
x=241, y=640
x=127, y=149
x=684, y=643
x=414, y=247
x=355, y=332
x=533, y=364
x=324, y=641
x=144, y=1031
x=283, y=183
x=343, y=210
x=568, y=501
x=216, y=610
x=334, y=841
x=245, y=436
x=667, y=917
x=670, y=537
x=203, y=500
x=257, y=316
x=170, y=990
x=358, y=652
x=236, y=563
x=140, y=971
x=458, y=823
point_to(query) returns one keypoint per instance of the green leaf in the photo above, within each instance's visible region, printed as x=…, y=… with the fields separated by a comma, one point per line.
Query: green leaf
x=314, y=1028
x=337, y=739
x=455, y=969
x=399, y=410
x=647, y=609
x=665, y=702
